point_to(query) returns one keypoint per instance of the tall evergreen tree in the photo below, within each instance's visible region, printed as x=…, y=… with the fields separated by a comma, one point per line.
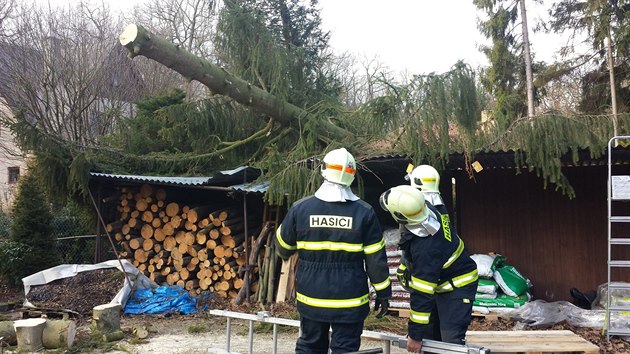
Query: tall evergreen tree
x=31, y=231
x=607, y=25
x=505, y=78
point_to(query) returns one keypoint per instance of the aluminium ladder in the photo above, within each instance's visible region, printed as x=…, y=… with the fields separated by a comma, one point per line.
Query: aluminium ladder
x=618, y=191
x=387, y=339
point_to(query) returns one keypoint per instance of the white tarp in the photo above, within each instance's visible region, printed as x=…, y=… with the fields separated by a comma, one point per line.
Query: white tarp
x=137, y=279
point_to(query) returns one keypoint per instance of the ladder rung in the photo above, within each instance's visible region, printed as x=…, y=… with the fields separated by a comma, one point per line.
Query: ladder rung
x=620, y=219
x=619, y=309
x=620, y=241
x=618, y=332
x=621, y=286
x=620, y=264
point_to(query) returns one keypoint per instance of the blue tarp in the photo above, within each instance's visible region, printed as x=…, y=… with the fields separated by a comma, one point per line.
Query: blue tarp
x=163, y=300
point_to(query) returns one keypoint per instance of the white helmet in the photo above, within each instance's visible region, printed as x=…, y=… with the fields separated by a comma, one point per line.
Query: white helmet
x=425, y=178
x=406, y=204
x=339, y=167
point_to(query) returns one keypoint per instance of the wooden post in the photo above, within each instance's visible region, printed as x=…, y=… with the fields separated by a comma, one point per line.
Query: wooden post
x=29, y=334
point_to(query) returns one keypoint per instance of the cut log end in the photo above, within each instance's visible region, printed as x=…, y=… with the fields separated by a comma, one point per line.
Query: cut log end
x=129, y=34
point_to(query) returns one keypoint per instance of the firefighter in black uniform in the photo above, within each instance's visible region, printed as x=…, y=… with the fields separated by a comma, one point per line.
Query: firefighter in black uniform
x=440, y=275
x=427, y=179
x=340, y=244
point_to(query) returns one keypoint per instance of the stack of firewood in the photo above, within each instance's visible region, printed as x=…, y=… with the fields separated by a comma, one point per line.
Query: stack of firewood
x=198, y=248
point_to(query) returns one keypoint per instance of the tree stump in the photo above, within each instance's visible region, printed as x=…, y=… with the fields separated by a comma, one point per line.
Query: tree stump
x=29, y=334
x=107, y=317
x=7, y=331
x=59, y=334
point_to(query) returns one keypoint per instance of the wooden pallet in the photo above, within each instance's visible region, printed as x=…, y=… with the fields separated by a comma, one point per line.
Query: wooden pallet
x=561, y=341
x=492, y=316
x=38, y=312
x=401, y=312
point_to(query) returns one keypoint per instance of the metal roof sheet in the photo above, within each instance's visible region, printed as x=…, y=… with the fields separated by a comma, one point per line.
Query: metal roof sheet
x=253, y=187
x=225, y=178
x=184, y=181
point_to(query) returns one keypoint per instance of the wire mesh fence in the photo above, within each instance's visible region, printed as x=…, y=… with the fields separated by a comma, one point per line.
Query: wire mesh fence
x=76, y=242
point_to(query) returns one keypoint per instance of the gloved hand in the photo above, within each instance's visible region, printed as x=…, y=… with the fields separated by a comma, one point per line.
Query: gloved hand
x=383, y=304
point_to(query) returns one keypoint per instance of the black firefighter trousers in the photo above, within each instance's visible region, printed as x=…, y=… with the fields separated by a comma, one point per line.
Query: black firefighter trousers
x=345, y=338
x=452, y=314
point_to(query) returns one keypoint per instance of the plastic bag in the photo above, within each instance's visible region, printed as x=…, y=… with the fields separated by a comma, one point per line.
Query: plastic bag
x=540, y=313
x=618, y=297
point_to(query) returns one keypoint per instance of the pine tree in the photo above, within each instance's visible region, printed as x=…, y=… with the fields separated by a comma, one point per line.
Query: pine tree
x=31, y=247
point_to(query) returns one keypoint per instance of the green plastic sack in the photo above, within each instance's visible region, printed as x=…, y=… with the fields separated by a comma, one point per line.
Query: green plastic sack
x=487, y=286
x=479, y=295
x=487, y=263
x=503, y=300
x=511, y=281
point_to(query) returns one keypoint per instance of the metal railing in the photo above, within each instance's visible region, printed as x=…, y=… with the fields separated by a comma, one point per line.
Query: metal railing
x=387, y=339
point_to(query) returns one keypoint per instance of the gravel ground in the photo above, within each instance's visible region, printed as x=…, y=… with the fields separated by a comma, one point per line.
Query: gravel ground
x=200, y=332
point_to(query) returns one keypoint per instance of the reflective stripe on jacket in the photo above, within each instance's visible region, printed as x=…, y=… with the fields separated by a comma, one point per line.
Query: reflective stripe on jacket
x=340, y=245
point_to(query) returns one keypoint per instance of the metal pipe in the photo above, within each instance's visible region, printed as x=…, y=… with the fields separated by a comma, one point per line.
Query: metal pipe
x=228, y=334
x=275, y=339
x=250, y=338
x=387, y=347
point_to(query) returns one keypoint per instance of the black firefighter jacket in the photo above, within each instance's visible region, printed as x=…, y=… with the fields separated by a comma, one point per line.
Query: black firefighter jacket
x=432, y=265
x=339, y=244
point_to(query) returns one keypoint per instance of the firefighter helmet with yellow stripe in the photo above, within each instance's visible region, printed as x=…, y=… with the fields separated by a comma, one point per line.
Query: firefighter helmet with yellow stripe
x=339, y=167
x=406, y=204
x=425, y=178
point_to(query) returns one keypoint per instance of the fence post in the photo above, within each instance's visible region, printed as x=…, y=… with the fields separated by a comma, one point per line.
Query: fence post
x=99, y=227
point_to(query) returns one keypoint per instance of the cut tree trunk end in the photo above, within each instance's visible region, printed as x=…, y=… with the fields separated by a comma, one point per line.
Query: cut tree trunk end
x=29, y=334
x=107, y=317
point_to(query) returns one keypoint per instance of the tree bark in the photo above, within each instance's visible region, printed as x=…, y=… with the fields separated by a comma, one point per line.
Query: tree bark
x=140, y=41
x=59, y=334
x=7, y=331
x=528, y=62
x=613, y=89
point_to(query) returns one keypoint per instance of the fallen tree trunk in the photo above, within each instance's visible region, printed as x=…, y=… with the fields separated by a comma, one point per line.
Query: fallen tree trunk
x=140, y=41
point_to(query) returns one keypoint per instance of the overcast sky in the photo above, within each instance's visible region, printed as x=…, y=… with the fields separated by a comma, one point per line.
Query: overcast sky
x=416, y=36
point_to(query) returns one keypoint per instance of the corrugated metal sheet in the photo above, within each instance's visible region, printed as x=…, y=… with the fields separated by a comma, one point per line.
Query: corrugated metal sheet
x=183, y=181
x=224, y=178
x=253, y=187
x=494, y=159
